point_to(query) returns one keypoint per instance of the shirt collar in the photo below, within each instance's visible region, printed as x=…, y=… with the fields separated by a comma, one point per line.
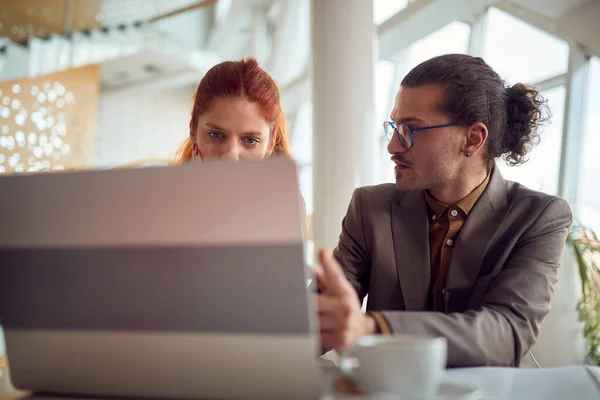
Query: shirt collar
x=435, y=207
x=466, y=204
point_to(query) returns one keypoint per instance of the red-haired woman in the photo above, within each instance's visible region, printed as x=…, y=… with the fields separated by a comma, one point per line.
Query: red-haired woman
x=236, y=115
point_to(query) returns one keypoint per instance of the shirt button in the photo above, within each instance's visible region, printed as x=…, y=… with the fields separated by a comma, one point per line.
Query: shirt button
x=433, y=217
x=454, y=213
x=449, y=242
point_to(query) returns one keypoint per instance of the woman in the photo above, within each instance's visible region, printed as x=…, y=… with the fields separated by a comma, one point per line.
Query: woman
x=236, y=115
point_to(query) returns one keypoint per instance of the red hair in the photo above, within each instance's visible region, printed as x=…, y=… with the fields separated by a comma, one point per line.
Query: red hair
x=244, y=79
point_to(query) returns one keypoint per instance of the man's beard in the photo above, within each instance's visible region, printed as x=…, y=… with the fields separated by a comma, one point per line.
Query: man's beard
x=399, y=157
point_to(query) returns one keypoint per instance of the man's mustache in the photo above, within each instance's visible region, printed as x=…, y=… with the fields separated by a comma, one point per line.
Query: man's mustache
x=399, y=158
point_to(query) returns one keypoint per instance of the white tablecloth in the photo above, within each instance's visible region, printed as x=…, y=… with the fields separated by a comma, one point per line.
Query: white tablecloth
x=564, y=383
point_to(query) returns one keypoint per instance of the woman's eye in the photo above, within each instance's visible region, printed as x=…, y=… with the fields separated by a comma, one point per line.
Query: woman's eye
x=251, y=141
x=216, y=135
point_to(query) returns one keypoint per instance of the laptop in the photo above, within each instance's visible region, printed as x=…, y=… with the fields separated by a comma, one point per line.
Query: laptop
x=165, y=282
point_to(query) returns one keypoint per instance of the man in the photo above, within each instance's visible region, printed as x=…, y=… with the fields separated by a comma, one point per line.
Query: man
x=452, y=249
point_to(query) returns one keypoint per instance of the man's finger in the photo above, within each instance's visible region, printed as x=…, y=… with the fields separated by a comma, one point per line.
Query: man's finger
x=330, y=339
x=336, y=340
x=329, y=323
x=330, y=305
x=336, y=280
x=319, y=275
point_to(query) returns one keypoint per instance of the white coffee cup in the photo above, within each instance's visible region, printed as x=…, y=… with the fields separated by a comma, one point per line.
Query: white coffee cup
x=407, y=365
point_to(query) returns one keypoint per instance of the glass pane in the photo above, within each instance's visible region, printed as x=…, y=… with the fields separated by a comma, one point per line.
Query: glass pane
x=301, y=135
x=309, y=252
x=541, y=171
x=306, y=187
x=386, y=165
x=384, y=92
x=138, y=129
x=589, y=169
x=452, y=38
x=292, y=64
x=383, y=9
x=521, y=52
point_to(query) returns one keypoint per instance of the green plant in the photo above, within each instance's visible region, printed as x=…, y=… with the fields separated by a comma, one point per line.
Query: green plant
x=586, y=247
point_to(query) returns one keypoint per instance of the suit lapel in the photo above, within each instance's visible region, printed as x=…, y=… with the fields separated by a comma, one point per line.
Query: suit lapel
x=474, y=239
x=411, y=249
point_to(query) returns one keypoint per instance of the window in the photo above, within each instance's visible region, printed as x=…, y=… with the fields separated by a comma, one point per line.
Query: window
x=301, y=149
x=520, y=52
x=293, y=33
x=453, y=38
x=589, y=169
x=385, y=91
x=541, y=171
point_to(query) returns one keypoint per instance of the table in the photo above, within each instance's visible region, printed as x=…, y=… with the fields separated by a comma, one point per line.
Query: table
x=573, y=382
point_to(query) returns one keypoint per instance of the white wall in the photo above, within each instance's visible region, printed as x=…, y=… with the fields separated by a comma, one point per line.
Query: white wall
x=141, y=126
x=561, y=341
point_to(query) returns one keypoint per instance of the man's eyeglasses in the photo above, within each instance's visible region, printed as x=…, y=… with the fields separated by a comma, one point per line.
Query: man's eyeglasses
x=406, y=133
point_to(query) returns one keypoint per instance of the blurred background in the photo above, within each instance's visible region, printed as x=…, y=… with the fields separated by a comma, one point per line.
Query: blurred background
x=102, y=84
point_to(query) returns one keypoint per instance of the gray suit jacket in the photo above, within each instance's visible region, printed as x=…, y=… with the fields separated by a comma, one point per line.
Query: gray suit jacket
x=500, y=279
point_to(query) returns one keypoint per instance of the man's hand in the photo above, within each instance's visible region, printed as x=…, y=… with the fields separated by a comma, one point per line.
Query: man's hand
x=341, y=320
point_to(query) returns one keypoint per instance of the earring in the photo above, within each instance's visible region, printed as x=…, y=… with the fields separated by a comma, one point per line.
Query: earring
x=467, y=154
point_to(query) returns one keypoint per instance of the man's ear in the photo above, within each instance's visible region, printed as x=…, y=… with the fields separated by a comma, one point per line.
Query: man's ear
x=475, y=138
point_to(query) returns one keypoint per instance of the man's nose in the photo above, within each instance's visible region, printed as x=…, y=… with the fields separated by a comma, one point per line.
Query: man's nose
x=394, y=146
